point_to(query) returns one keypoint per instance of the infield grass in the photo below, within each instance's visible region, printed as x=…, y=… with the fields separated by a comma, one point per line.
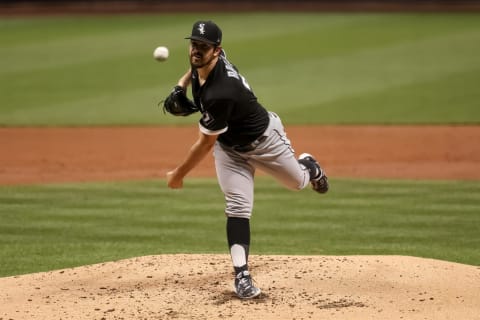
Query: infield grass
x=55, y=226
x=310, y=68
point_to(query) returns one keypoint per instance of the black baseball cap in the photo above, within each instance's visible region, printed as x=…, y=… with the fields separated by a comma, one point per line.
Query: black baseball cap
x=206, y=31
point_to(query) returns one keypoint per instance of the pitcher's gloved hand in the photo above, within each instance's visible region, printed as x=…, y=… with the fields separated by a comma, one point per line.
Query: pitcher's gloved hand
x=178, y=104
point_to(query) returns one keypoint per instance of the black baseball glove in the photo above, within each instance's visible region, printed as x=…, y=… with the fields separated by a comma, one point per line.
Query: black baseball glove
x=178, y=104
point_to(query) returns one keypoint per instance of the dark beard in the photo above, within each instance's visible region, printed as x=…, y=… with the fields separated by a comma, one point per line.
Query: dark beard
x=201, y=63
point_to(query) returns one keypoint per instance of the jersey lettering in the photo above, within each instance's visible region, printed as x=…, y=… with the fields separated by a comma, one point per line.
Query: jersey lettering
x=232, y=73
x=245, y=83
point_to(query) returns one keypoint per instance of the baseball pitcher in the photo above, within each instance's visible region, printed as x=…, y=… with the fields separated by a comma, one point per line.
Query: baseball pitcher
x=244, y=137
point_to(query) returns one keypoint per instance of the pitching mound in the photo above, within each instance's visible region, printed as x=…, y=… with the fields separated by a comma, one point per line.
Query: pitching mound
x=294, y=287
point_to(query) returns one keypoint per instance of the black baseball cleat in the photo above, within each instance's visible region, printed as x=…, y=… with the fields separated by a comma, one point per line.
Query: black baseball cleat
x=320, y=180
x=244, y=287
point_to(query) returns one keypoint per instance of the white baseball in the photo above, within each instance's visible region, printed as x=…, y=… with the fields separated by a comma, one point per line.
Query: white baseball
x=161, y=53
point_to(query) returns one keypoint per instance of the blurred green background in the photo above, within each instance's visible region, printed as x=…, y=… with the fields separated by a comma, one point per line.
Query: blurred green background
x=313, y=68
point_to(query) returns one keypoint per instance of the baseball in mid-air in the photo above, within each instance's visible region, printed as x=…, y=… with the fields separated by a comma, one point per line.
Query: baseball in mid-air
x=160, y=53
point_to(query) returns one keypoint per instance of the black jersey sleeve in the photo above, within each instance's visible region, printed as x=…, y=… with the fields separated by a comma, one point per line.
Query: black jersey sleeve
x=215, y=117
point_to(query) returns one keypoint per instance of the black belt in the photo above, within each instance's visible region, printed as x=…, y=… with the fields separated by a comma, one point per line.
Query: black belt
x=251, y=146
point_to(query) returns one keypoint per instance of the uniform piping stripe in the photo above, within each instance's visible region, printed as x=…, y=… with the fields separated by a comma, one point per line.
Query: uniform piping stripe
x=211, y=132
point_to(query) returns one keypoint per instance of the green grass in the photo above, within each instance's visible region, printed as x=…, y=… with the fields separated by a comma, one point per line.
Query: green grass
x=55, y=226
x=310, y=68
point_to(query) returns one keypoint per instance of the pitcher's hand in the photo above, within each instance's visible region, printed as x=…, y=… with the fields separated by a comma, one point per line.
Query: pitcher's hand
x=173, y=180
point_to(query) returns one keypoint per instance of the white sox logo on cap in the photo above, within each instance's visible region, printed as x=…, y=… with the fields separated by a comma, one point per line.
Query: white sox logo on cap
x=201, y=28
x=206, y=31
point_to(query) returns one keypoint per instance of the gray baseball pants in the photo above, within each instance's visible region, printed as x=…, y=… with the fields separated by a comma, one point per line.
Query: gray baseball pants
x=236, y=170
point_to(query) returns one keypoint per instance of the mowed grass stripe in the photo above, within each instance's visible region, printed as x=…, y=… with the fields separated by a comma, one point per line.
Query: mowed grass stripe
x=405, y=66
x=63, y=225
x=100, y=70
x=49, y=43
x=413, y=103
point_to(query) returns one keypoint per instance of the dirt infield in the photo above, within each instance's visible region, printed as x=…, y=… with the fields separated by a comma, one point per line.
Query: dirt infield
x=200, y=286
x=44, y=155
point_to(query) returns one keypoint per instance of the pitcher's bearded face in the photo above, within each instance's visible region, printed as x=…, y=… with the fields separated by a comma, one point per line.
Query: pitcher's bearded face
x=201, y=53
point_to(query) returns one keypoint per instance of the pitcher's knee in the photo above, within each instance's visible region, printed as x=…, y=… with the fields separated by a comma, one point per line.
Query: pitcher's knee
x=244, y=215
x=238, y=205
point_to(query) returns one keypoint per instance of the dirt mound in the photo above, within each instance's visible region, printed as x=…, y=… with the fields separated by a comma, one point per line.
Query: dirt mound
x=294, y=287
